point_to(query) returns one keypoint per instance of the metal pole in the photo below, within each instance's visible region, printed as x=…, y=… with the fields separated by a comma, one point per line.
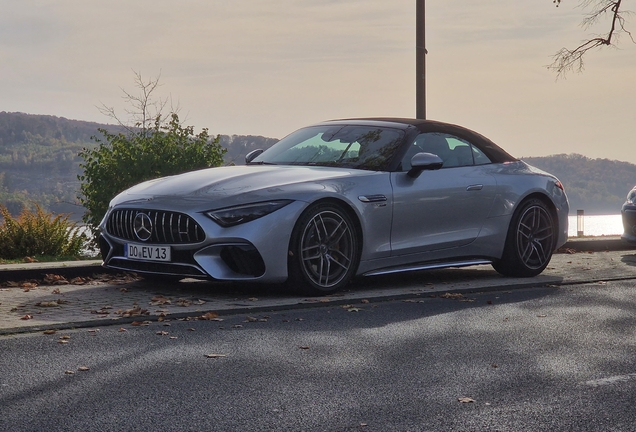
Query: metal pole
x=420, y=59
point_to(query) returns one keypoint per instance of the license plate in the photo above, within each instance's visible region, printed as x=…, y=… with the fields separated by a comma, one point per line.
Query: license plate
x=147, y=252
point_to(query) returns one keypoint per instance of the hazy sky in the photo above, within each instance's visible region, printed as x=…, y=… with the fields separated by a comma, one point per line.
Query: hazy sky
x=267, y=67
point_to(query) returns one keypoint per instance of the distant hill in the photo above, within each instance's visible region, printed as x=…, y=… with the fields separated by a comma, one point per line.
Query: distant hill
x=39, y=159
x=39, y=163
x=598, y=186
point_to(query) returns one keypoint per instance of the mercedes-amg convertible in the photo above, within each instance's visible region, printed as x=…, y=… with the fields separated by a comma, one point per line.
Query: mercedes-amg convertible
x=341, y=199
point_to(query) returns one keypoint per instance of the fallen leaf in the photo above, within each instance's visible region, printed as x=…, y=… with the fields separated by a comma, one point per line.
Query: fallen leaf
x=215, y=355
x=184, y=302
x=541, y=316
x=253, y=299
x=160, y=300
x=121, y=330
x=250, y=319
x=304, y=347
x=62, y=341
x=65, y=337
x=27, y=317
x=47, y=304
x=136, y=311
x=465, y=400
x=69, y=372
x=79, y=281
x=354, y=309
x=364, y=301
x=211, y=316
x=56, y=291
x=191, y=329
x=50, y=332
x=53, y=279
x=83, y=368
x=162, y=333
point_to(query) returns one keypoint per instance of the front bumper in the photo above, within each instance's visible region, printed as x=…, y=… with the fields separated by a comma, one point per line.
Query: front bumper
x=253, y=251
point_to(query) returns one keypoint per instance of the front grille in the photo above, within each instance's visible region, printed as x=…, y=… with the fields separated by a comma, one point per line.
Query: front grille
x=167, y=227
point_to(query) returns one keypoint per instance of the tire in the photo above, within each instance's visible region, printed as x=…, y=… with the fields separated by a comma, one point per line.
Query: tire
x=324, y=251
x=530, y=241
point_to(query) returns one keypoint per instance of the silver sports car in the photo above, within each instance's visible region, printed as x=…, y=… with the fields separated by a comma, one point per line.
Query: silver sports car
x=340, y=199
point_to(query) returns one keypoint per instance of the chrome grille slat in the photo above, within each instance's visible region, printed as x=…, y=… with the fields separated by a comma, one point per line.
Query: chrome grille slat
x=168, y=227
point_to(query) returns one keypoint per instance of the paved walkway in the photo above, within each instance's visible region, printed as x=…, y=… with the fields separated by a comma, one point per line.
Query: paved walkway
x=96, y=298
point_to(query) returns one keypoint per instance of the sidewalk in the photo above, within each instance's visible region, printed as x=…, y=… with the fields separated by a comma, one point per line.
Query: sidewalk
x=83, y=294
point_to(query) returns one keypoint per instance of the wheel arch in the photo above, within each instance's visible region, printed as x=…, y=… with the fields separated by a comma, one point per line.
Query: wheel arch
x=346, y=206
x=551, y=207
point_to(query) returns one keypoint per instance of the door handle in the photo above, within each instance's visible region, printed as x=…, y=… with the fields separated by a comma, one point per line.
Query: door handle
x=476, y=187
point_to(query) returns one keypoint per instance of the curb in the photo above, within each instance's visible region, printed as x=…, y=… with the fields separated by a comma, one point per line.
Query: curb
x=72, y=269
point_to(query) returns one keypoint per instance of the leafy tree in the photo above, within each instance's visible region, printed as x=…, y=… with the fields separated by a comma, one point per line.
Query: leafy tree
x=147, y=151
x=566, y=60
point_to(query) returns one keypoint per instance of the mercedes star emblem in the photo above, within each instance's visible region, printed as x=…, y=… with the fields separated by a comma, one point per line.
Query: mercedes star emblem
x=142, y=226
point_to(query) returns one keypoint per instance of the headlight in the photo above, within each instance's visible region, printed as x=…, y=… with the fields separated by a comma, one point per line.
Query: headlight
x=232, y=216
x=631, y=196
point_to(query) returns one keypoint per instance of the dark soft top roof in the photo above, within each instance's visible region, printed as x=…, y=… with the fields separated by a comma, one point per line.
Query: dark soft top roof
x=492, y=150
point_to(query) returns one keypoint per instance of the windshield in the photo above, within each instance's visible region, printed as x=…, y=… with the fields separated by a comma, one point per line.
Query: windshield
x=347, y=146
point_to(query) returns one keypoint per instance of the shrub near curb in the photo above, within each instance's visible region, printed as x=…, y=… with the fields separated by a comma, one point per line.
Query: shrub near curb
x=39, y=233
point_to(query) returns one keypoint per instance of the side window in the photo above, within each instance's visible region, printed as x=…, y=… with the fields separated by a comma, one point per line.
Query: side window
x=454, y=151
x=464, y=153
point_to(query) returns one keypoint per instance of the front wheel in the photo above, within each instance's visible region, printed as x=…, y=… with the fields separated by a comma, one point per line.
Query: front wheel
x=530, y=241
x=324, y=250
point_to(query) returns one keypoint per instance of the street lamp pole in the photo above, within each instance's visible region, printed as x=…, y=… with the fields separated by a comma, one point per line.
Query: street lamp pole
x=420, y=60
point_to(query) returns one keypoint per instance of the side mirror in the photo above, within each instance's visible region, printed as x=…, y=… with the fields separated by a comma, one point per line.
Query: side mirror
x=252, y=155
x=424, y=162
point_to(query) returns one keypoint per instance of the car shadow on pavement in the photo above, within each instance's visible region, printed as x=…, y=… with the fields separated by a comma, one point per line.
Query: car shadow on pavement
x=629, y=259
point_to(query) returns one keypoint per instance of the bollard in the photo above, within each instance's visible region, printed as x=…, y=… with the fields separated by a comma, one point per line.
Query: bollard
x=579, y=223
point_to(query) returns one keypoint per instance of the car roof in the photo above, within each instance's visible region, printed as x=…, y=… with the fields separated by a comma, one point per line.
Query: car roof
x=492, y=150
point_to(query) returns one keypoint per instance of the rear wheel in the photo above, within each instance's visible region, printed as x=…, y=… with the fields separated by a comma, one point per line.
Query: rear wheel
x=530, y=241
x=324, y=250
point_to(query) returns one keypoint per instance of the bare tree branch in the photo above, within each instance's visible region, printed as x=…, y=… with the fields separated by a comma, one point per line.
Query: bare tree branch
x=144, y=110
x=566, y=60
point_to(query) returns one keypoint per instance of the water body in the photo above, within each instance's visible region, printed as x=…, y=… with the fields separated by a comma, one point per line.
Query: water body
x=597, y=225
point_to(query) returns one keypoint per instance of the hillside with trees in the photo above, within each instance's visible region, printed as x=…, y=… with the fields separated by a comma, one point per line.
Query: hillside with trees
x=598, y=186
x=39, y=159
x=39, y=163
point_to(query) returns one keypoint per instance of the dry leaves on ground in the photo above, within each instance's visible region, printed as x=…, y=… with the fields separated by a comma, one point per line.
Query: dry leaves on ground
x=54, y=279
x=160, y=300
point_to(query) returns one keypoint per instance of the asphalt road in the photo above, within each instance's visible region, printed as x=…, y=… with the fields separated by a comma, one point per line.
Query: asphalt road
x=529, y=359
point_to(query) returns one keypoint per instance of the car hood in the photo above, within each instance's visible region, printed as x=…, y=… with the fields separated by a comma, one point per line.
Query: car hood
x=223, y=182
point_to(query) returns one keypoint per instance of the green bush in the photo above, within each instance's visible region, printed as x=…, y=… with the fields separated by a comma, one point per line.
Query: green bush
x=39, y=233
x=121, y=161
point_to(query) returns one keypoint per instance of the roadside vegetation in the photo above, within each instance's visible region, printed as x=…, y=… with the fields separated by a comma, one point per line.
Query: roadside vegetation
x=156, y=145
x=39, y=236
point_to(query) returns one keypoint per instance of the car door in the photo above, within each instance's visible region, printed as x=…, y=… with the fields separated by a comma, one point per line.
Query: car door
x=443, y=208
